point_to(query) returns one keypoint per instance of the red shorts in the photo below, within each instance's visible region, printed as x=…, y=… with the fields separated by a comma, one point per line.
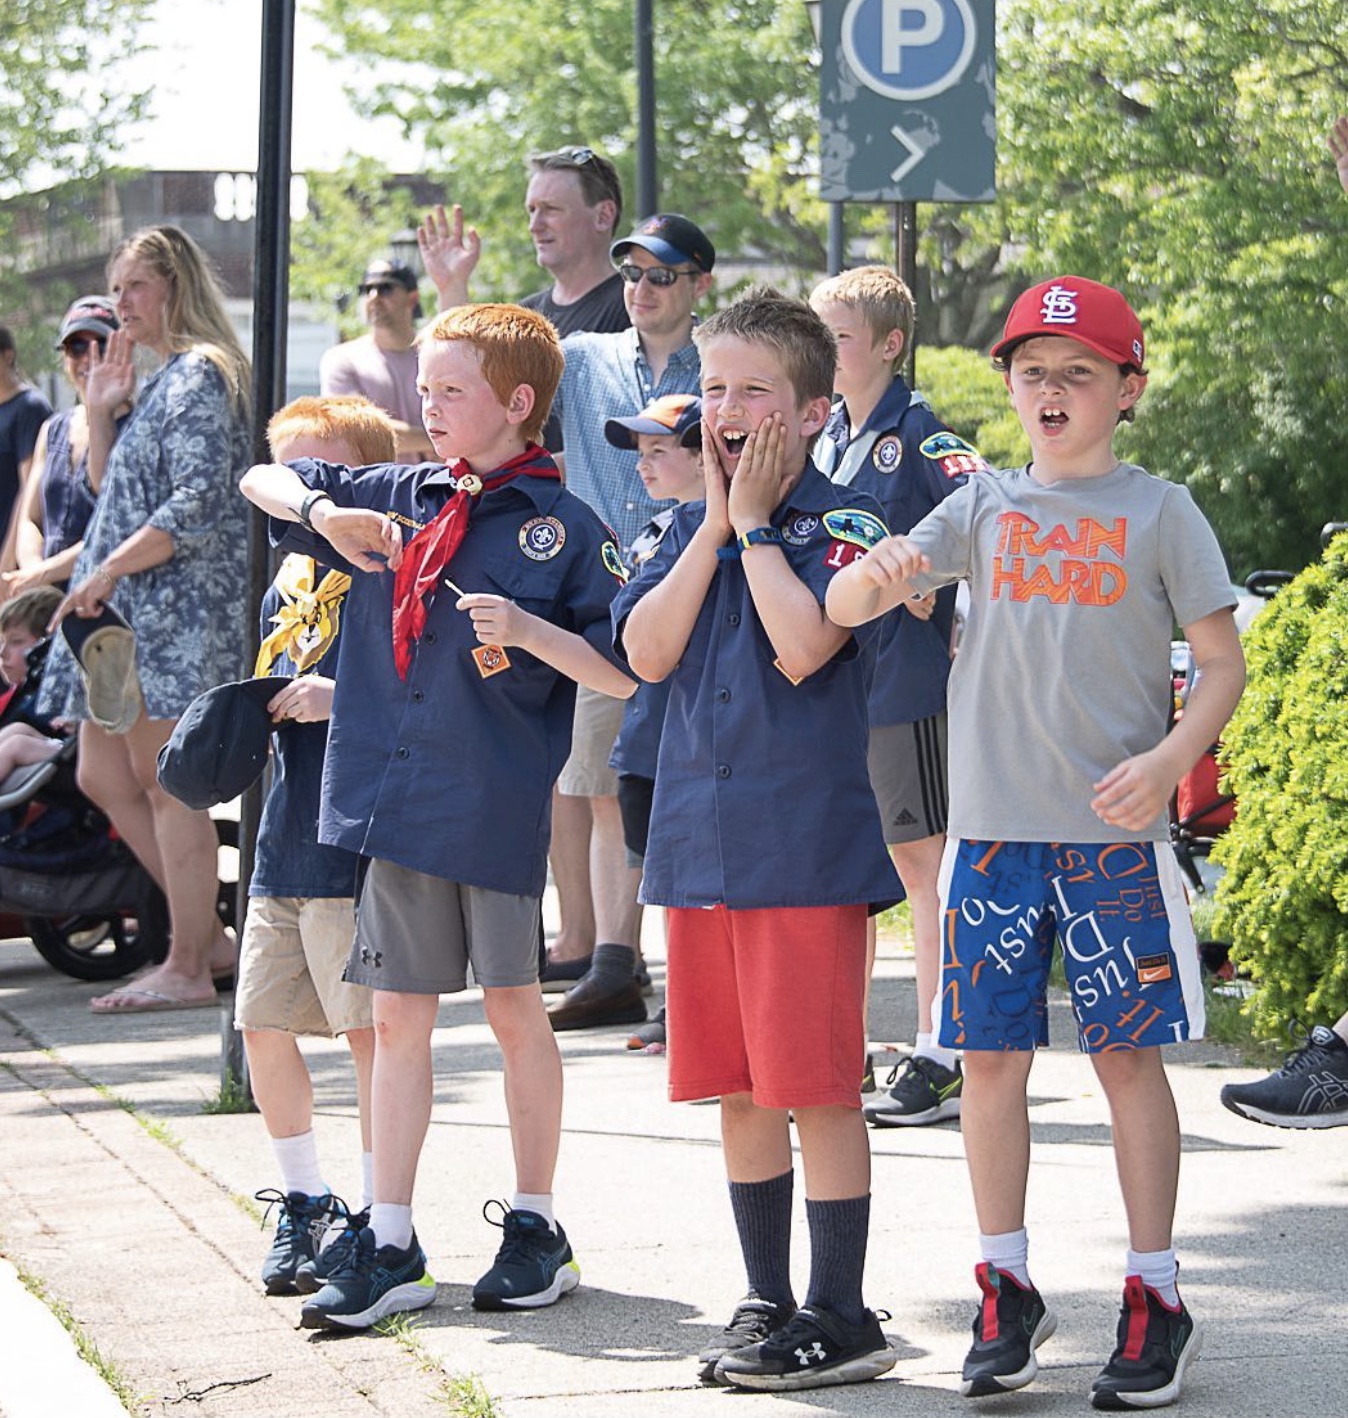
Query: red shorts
x=768, y=1003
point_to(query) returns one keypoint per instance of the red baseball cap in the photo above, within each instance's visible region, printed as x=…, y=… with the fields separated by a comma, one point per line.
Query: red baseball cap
x=1083, y=310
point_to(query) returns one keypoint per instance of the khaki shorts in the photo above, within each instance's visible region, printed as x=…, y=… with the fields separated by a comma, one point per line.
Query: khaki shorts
x=417, y=934
x=908, y=776
x=586, y=773
x=291, y=960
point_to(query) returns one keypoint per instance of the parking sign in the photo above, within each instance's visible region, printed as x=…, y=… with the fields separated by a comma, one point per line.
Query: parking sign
x=907, y=101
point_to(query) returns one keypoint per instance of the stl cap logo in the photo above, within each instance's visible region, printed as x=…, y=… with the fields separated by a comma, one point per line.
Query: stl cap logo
x=1060, y=306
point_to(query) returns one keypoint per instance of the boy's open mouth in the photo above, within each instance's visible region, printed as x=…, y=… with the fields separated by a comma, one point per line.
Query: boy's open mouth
x=733, y=440
x=1052, y=417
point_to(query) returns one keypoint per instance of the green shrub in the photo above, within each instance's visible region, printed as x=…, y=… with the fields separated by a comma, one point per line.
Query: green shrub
x=1283, y=901
x=969, y=395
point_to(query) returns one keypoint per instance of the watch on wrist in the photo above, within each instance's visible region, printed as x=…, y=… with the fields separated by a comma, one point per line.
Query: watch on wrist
x=757, y=536
x=307, y=507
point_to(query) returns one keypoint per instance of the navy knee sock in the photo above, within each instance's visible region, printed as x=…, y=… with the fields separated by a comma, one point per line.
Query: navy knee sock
x=762, y=1213
x=838, y=1231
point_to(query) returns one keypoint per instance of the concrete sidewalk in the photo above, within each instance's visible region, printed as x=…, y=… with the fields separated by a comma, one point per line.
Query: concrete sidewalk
x=139, y=1231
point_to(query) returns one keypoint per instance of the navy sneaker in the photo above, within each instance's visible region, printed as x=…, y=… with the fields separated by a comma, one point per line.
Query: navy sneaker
x=1155, y=1345
x=753, y=1321
x=813, y=1349
x=1012, y=1322
x=371, y=1284
x=534, y=1265
x=924, y=1092
x=331, y=1251
x=302, y=1221
x=1310, y=1090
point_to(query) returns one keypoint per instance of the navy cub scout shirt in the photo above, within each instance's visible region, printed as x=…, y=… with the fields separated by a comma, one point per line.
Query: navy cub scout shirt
x=910, y=462
x=762, y=797
x=450, y=772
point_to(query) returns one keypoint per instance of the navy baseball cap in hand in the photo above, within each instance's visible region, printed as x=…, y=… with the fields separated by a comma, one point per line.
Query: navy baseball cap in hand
x=219, y=746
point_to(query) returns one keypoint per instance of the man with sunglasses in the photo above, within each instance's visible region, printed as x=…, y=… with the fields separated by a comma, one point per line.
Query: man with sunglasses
x=665, y=266
x=23, y=411
x=382, y=365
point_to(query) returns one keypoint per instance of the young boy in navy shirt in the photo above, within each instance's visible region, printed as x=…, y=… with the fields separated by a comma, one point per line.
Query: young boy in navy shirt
x=667, y=436
x=297, y=934
x=884, y=439
x=485, y=600
x=1079, y=565
x=765, y=841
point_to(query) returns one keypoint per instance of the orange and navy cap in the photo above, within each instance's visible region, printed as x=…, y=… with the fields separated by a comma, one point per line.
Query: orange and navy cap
x=676, y=414
x=1084, y=310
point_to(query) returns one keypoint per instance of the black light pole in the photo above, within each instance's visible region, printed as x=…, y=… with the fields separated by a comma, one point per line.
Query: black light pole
x=271, y=299
x=648, y=185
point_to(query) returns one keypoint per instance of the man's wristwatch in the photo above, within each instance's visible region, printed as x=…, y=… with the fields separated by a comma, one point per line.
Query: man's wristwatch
x=307, y=507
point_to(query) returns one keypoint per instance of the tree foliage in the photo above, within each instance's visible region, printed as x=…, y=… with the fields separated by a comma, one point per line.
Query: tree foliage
x=1172, y=147
x=1284, y=898
x=62, y=107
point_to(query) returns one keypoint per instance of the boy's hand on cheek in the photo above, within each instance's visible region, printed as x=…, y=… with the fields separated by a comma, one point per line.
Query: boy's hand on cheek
x=756, y=488
x=716, y=483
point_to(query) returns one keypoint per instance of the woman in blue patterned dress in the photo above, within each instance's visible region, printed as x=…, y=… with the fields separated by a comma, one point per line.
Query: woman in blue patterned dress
x=167, y=547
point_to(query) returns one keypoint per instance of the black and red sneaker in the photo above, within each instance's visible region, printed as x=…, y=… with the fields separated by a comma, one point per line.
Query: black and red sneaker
x=1155, y=1344
x=1012, y=1322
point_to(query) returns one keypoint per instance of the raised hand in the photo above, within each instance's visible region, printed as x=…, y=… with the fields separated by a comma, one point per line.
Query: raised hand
x=112, y=374
x=717, y=483
x=756, y=488
x=368, y=540
x=449, y=252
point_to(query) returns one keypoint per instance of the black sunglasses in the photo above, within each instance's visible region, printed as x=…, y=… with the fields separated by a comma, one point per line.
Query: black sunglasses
x=78, y=346
x=656, y=275
x=381, y=288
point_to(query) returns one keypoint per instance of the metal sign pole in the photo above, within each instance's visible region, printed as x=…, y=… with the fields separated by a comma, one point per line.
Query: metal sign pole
x=905, y=263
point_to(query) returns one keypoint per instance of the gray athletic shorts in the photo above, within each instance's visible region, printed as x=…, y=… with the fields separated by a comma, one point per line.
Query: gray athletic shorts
x=908, y=776
x=586, y=773
x=418, y=934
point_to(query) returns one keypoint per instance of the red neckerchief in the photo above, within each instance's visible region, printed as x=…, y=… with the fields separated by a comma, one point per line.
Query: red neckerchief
x=430, y=550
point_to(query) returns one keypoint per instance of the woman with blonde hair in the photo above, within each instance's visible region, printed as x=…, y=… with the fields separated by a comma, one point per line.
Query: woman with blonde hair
x=166, y=547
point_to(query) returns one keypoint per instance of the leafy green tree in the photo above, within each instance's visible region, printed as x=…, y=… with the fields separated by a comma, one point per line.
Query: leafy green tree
x=1283, y=900
x=62, y=113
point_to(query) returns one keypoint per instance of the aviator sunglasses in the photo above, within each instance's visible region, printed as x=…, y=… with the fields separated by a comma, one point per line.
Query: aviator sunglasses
x=78, y=346
x=656, y=275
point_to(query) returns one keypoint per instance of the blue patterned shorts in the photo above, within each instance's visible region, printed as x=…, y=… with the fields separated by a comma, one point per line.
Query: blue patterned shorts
x=1121, y=915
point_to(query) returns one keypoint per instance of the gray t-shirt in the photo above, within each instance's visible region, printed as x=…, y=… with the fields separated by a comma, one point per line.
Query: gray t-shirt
x=1064, y=667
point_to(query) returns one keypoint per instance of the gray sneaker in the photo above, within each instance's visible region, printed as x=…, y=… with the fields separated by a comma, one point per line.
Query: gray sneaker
x=923, y=1092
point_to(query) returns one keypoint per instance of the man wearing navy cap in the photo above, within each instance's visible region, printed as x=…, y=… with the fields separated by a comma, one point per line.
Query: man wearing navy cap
x=382, y=365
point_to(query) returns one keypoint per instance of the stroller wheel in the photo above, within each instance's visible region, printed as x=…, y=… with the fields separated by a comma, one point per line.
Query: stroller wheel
x=97, y=946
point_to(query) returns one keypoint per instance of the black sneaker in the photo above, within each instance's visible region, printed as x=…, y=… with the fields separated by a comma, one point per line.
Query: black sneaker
x=1310, y=1090
x=534, y=1265
x=371, y=1284
x=813, y=1349
x=302, y=1221
x=1155, y=1344
x=331, y=1251
x=1012, y=1322
x=924, y=1092
x=753, y=1321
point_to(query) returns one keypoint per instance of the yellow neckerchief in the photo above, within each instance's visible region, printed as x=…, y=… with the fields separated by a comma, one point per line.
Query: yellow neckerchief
x=308, y=620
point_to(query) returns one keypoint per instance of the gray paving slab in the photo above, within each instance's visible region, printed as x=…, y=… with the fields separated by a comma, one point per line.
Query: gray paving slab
x=144, y=1236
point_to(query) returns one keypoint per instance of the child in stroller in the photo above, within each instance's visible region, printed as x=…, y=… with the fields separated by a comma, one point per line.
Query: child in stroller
x=83, y=899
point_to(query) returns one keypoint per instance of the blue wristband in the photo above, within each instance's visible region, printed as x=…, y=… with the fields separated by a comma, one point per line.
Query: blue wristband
x=755, y=536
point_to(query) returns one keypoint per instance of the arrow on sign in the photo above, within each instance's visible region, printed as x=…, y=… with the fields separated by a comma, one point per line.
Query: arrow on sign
x=915, y=155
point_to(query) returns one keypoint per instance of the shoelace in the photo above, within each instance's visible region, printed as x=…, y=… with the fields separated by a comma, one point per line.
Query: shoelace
x=1308, y=1054
x=520, y=1239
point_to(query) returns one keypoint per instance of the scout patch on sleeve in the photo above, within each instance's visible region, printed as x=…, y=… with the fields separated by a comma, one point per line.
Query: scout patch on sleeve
x=852, y=525
x=887, y=454
x=800, y=528
x=613, y=563
x=541, y=538
x=842, y=554
x=952, y=454
x=491, y=660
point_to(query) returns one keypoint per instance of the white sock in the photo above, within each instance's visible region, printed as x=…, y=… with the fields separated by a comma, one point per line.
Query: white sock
x=1158, y=1271
x=926, y=1047
x=392, y=1225
x=1008, y=1251
x=297, y=1157
x=538, y=1202
x=366, y=1180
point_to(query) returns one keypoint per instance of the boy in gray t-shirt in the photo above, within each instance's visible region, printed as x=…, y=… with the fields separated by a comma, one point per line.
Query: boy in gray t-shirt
x=1078, y=567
